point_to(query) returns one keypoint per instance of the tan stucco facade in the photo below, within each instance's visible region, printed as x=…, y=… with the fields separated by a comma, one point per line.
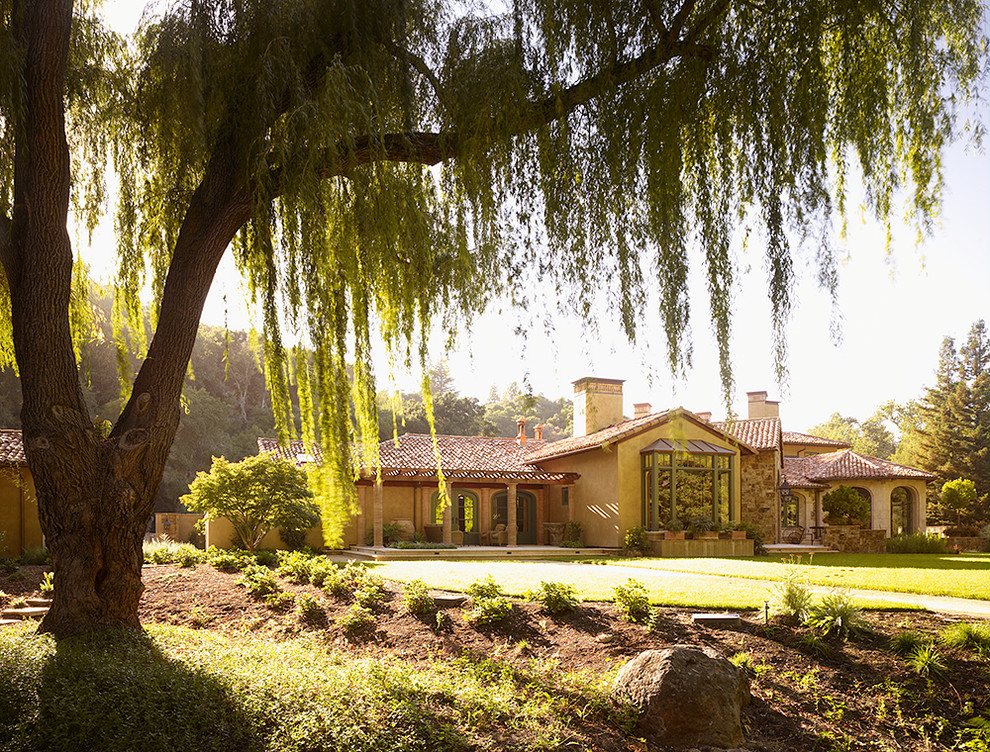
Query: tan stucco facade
x=608, y=497
x=18, y=511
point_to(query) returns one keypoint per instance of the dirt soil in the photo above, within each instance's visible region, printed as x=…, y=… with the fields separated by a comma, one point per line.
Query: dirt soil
x=856, y=696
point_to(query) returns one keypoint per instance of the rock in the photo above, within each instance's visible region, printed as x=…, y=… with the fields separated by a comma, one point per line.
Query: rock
x=689, y=696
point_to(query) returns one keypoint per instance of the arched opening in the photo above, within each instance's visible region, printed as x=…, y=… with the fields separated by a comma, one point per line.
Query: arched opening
x=464, y=513
x=525, y=515
x=869, y=500
x=902, y=511
x=790, y=509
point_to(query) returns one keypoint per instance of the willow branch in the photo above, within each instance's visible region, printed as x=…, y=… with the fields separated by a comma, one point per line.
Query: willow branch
x=418, y=64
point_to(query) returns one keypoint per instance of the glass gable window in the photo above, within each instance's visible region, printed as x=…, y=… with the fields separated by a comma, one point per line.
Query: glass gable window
x=686, y=479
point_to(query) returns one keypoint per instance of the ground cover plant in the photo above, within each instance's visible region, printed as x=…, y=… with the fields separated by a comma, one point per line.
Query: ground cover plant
x=220, y=670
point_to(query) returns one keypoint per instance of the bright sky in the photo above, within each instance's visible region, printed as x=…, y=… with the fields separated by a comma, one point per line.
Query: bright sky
x=895, y=311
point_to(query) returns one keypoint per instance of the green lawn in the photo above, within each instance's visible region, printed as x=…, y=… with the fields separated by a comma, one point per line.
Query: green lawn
x=593, y=583
x=958, y=576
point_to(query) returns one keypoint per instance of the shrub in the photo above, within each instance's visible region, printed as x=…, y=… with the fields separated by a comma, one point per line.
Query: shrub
x=701, y=524
x=8, y=566
x=488, y=610
x=556, y=597
x=319, y=570
x=347, y=580
x=486, y=588
x=755, y=534
x=35, y=556
x=420, y=544
x=572, y=533
x=280, y=601
x=355, y=618
x=791, y=598
x=961, y=531
x=926, y=661
x=187, y=555
x=636, y=540
x=226, y=561
x=293, y=538
x=47, y=586
x=965, y=635
x=295, y=566
x=310, y=611
x=846, y=507
x=259, y=581
x=905, y=642
x=371, y=593
x=633, y=600
x=265, y=558
x=836, y=616
x=814, y=643
x=917, y=543
x=417, y=599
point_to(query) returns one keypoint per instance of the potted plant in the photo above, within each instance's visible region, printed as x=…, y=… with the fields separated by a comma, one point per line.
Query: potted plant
x=674, y=531
x=702, y=528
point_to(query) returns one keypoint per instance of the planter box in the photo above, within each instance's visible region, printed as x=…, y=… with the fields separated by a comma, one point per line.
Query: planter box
x=671, y=535
x=733, y=535
x=706, y=535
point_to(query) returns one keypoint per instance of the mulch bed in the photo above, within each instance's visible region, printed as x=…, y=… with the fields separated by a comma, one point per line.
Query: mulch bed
x=857, y=696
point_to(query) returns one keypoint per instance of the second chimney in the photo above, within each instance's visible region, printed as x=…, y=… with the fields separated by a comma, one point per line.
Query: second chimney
x=642, y=409
x=521, y=438
x=538, y=433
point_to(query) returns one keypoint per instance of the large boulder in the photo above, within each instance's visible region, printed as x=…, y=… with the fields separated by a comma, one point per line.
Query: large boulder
x=689, y=696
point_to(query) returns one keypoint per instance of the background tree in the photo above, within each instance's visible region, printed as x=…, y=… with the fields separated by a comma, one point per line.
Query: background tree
x=846, y=507
x=871, y=437
x=256, y=495
x=959, y=495
x=587, y=143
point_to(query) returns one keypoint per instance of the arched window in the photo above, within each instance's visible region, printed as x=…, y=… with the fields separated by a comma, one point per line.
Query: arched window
x=525, y=514
x=686, y=479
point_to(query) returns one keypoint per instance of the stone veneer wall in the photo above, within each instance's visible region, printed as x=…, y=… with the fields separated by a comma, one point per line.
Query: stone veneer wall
x=968, y=543
x=758, y=493
x=851, y=539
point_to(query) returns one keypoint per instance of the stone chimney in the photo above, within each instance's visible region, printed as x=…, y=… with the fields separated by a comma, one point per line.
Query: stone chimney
x=642, y=409
x=761, y=407
x=521, y=438
x=707, y=417
x=538, y=432
x=597, y=404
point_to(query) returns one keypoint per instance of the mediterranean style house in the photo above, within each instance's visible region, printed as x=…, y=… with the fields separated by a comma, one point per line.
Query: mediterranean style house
x=618, y=473
x=18, y=506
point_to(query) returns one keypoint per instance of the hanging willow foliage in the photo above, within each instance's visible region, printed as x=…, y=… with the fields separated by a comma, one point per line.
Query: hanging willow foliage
x=588, y=143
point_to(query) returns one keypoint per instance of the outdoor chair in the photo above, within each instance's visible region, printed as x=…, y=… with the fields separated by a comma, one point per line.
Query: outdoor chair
x=793, y=535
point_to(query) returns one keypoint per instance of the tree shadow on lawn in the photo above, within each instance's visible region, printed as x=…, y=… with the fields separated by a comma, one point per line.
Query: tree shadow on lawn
x=114, y=691
x=968, y=561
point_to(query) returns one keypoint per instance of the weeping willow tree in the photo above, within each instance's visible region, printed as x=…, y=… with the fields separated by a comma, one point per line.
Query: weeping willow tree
x=587, y=142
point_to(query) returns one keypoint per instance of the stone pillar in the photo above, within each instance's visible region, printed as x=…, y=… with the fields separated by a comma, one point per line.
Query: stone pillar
x=379, y=513
x=485, y=510
x=448, y=503
x=362, y=517
x=511, y=510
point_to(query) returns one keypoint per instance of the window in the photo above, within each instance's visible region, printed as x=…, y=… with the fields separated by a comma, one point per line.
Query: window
x=686, y=479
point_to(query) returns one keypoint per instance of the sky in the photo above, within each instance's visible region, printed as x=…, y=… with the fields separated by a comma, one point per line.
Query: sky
x=894, y=311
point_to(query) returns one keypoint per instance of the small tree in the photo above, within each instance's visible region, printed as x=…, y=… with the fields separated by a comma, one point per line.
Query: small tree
x=256, y=495
x=958, y=495
x=846, y=507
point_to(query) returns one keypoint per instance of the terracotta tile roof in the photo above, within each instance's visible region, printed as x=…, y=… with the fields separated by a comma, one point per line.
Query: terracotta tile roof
x=795, y=473
x=849, y=465
x=11, y=447
x=608, y=435
x=461, y=457
x=794, y=437
x=763, y=434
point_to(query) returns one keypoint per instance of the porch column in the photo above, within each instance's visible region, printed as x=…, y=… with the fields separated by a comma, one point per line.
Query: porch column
x=448, y=503
x=511, y=503
x=570, y=502
x=424, y=506
x=379, y=513
x=541, y=515
x=362, y=515
x=485, y=511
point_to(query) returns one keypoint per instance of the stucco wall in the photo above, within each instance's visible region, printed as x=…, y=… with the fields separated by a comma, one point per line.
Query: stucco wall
x=880, y=491
x=759, y=500
x=178, y=527
x=608, y=495
x=220, y=533
x=18, y=511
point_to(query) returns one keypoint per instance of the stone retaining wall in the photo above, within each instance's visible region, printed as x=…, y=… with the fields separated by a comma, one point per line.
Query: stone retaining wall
x=698, y=548
x=851, y=539
x=968, y=543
